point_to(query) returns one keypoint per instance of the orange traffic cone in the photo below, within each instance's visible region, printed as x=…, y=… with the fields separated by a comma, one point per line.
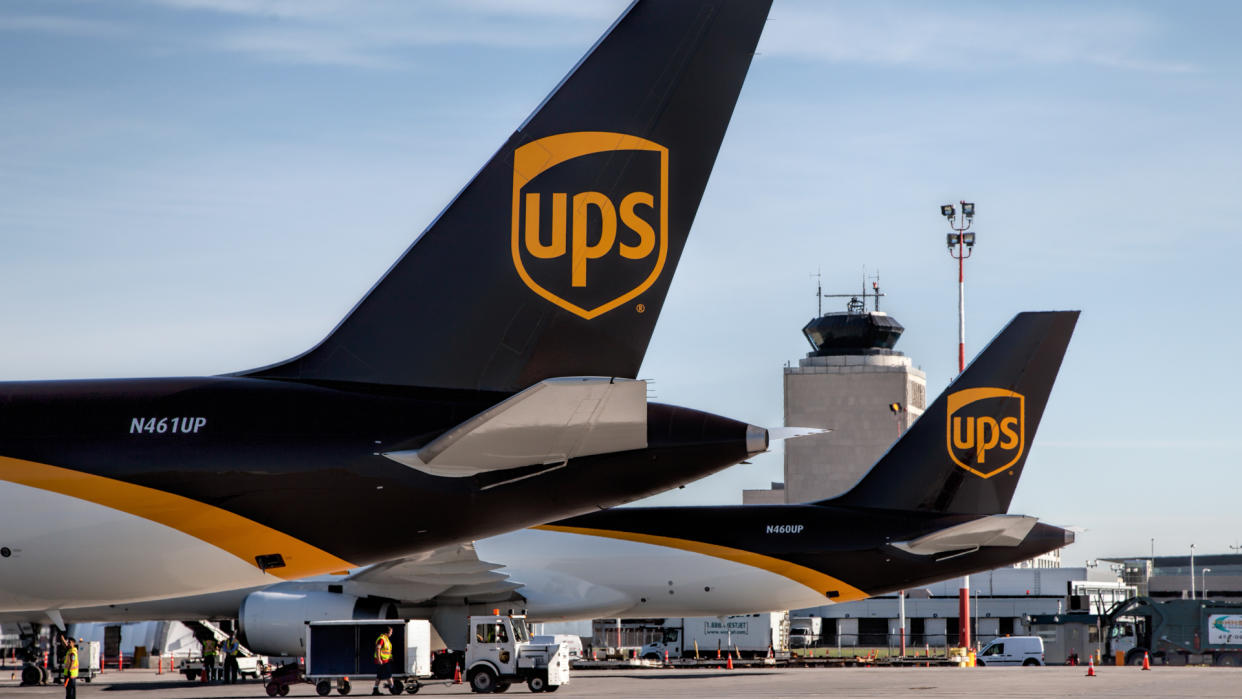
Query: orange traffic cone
x=1091, y=666
x=666, y=656
x=729, y=662
x=457, y=674
x=1146, y=661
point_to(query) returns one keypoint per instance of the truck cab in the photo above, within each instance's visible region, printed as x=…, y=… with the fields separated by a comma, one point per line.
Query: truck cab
x=500, y=652
x=1129, y=636
x=670, y=643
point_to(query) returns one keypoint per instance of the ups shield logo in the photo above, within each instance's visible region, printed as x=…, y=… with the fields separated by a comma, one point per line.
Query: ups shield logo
x=986, y=430
x=590, y=218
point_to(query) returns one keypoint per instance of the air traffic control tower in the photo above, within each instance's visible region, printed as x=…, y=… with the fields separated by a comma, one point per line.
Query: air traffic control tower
x=848, y=383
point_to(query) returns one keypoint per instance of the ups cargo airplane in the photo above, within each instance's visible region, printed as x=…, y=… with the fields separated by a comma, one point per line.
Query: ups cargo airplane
x=486, y=383
x=932, y=508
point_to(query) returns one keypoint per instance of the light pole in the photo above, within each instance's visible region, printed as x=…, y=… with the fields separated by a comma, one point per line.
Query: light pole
x=1192, y=572
x=961, y=244
x=1203, y=580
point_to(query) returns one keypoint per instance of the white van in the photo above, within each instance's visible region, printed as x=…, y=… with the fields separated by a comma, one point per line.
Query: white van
x=1012, y=650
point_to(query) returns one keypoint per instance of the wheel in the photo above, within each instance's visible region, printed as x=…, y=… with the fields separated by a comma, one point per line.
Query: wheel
x=272, y=689
x=191, y=675
x=482, y=680
x=396, y=687
x=412, y=686
x=501, y=687
x=342, y=687
x=1228, y=660
x=979, y=663
x=537, y=683
x=323, y=687
x=1029, y=662
x=31, y=674
x=284, y=690
x=1134, y=659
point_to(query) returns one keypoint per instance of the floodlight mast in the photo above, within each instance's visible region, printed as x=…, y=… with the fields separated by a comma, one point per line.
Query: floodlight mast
x=961, y=244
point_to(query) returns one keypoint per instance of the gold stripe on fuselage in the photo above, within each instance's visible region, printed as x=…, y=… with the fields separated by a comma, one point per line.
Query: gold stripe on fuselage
x=241, y=537
x=813, y=579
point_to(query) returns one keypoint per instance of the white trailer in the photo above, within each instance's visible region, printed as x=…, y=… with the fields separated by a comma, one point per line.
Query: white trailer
x=341, y=652
x=746, y=635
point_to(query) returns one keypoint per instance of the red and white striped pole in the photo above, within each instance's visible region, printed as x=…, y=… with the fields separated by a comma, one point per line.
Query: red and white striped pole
x=965, y=243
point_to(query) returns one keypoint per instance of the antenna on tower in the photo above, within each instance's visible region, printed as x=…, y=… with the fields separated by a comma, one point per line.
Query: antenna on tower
x=858, y=302
x=819, y=291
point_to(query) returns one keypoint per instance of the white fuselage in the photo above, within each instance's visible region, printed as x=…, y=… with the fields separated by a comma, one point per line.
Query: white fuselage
x=574, y=576
x=66, y=552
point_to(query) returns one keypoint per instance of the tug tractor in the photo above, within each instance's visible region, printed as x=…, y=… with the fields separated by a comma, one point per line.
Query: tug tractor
x=500, y=653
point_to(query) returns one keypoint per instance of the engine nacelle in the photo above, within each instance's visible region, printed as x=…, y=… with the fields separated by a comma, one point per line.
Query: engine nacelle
x=274, y=623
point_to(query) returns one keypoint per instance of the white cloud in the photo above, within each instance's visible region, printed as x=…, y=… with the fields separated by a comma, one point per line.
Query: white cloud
x=886, y=34
x=373, y=34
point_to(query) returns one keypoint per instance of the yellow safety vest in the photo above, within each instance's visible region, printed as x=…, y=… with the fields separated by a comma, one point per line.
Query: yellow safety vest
x=70, y=666
x=383, y=649
x=231, y=646
x=209, y=647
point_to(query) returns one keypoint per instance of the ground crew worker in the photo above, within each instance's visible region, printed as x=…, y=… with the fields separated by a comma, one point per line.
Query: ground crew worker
x=383, y=661
x=69, y=670
x=231, y=650
x=209, y=660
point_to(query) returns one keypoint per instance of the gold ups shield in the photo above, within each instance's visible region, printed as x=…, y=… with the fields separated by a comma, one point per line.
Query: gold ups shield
x=590, y=218
x=986, y=429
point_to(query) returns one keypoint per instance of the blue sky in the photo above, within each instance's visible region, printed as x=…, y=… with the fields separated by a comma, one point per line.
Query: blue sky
x=192, y=187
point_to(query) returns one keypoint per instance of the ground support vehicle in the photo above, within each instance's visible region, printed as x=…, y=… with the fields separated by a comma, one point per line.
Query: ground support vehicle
x=1175, y=632
x=744, y=635
x=500, y=652
x=90, y=660
x=249, y=667
x=1012, y=650
x=339, y=653
x=805, y=631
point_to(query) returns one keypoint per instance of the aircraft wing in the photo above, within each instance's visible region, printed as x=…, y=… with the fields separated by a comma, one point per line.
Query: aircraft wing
x=993, y=530
x=548, y=423
x=449, y=572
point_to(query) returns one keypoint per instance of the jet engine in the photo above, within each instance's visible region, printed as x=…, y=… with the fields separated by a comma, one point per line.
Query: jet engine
x=274, y=623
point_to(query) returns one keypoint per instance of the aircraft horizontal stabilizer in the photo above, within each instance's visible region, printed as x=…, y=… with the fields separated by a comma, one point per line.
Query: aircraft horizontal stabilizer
x=993, y=530
x=549, y=423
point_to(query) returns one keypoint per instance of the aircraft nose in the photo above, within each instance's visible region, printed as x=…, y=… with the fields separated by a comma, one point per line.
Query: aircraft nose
x=1069, y=536
x=756, y=440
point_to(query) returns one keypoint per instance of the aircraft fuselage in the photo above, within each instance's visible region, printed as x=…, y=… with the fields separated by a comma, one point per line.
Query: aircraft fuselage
x=211, y=483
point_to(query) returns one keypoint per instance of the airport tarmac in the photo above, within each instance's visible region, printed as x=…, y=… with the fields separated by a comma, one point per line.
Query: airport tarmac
x=836, y=682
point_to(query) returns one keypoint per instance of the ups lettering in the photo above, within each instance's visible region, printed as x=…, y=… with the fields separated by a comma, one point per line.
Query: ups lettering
x=578, y=246
x=983, y=434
